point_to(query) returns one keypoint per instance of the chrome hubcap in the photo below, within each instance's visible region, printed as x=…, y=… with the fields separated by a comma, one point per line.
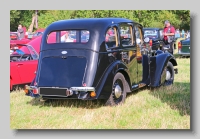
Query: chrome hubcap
x=118, y=91
x=168, y=75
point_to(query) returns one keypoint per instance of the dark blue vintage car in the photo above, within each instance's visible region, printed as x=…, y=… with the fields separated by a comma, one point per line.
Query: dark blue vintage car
x=184, y=47
x=154, y=34
x=106, y=66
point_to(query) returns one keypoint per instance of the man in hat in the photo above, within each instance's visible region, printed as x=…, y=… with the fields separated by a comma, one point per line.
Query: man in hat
x=169, y=35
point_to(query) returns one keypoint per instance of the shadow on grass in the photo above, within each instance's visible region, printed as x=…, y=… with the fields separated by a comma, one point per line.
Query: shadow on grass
x=88, y=104
x=17, y=88
x=176, y=96
x=180, y=56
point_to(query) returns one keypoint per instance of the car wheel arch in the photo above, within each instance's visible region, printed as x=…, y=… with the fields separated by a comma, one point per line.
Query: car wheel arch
x=173, y=61
x=126, y=76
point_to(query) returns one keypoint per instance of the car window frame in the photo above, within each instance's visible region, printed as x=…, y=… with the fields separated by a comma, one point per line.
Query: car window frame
x=116, y=34
x=131, y=29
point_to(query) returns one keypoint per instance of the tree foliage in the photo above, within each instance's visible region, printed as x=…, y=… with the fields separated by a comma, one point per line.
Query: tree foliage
x=148, y=18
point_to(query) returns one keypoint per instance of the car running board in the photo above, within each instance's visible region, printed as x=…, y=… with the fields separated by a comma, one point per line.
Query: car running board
x=138, y=86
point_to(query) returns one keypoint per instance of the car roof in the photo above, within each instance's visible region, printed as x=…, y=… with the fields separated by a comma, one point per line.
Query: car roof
x=85, y=23
x=151, y=28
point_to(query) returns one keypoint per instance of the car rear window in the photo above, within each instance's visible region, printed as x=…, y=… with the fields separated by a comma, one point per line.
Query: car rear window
x=68, y=36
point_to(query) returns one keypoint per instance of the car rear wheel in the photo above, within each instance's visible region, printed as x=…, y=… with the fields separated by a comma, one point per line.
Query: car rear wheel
x=118, y=94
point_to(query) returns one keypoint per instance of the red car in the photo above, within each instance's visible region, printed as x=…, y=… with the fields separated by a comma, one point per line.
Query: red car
x=38, y=33
x=13, y=36
x=23, y=61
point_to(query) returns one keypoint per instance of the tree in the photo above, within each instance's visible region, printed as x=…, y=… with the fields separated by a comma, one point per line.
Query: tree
x=148, y=18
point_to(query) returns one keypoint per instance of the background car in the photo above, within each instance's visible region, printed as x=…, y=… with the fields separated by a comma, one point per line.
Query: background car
x=184, y=47
x=38, y=33
x=23, y=63
x=13, y=36
x=154, y=34
x=14, y=42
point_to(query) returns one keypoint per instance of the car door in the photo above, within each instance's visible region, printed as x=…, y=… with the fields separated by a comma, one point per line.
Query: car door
x=139, y=44
x=14, y=74
x=26, y=70
x=128, y=55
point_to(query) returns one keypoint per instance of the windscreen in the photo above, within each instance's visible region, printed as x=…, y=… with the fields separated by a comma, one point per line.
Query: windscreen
x=151, y=33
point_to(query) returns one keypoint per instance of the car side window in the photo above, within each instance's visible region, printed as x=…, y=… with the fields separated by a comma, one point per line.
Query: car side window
x=126, y=35
x=111, y=37
x=138, y=35
x=161, y=34
x=139, y=40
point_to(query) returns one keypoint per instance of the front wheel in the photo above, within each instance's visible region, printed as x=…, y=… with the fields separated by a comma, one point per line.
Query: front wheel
x=118, y=94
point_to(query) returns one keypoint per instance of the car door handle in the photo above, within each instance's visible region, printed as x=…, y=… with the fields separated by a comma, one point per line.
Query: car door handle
x=19, y=64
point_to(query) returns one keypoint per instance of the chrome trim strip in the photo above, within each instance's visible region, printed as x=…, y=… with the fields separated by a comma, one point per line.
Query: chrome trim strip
x=82, y=88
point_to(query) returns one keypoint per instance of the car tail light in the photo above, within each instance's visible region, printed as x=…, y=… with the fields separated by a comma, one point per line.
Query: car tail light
x=150, y=43
x=93, y=94
x=35, y=91
x=179, y=45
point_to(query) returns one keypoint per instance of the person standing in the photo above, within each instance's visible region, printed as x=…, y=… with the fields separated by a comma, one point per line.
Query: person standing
x=169, y=36
x=188, y=35
x=183, y=33
x=20, y=32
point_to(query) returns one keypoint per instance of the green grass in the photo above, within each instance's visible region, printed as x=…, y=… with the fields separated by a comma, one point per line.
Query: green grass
x=162, y=108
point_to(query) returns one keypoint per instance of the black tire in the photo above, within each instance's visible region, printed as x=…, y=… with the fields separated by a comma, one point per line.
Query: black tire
x=117, y=99
x=169, y=74
x=172, y=48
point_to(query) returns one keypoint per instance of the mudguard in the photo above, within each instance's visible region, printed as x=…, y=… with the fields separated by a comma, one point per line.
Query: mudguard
x=157, y=64
x=104, y=87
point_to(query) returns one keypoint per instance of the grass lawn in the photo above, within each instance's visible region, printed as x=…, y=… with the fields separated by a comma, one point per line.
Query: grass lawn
x=163, y=108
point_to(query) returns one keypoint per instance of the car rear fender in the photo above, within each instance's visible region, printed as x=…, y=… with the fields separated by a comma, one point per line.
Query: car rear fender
x=104, y=87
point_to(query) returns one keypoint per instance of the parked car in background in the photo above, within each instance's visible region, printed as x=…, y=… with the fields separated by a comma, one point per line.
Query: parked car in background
x=36, y=34
x=23, y=63
x=98, y=68
x=155, y=35
x=14, y=39
x=14, y=46
x=13, y=36
x=184, y=47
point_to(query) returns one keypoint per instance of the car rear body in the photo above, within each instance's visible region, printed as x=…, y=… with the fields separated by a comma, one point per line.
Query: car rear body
x=184, y=47
x=155, y=34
